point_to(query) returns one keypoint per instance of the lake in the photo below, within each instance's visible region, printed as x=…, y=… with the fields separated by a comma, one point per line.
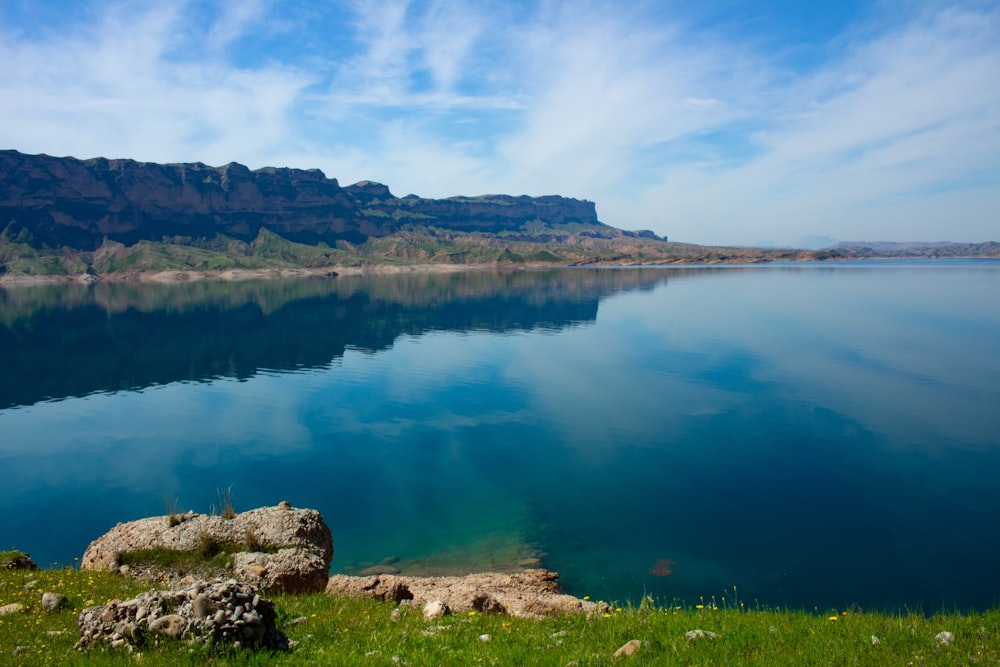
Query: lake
x=818, y=436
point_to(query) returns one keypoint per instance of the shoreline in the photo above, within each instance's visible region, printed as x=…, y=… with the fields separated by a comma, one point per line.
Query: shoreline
x=179, y=276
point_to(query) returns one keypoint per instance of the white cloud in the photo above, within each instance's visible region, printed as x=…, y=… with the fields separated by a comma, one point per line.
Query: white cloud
x=668, y=122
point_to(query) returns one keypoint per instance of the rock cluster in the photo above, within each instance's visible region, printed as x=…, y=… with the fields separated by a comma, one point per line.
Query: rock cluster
x=223, y=612
x=530, y=594
x=280, y=549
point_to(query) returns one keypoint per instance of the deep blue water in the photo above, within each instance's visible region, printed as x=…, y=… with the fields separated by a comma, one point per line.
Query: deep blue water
x=815, y=435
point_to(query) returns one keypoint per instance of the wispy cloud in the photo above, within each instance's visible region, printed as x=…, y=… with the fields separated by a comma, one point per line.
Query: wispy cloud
x=704, y=129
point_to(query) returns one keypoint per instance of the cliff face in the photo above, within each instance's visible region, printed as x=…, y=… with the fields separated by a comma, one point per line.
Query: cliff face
x=77, y=203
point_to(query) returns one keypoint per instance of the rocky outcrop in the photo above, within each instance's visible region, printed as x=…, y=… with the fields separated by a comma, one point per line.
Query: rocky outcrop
x=17, y=560
x=66, y=202
x=529, y=594
x=221, y=612
x=274, y=548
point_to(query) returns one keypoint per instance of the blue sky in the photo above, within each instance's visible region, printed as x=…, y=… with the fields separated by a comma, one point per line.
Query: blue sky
x=713, y=122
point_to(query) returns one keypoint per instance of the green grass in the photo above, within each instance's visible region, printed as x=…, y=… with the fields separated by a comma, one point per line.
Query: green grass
x=329, y=630
x=210, y=557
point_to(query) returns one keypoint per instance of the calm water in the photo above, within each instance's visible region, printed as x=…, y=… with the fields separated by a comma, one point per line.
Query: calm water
x=815, y=435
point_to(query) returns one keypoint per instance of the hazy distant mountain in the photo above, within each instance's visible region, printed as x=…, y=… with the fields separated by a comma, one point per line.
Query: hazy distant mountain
x=895, y=246
x=802, y=243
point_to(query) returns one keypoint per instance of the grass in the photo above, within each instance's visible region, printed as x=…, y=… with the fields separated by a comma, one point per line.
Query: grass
x=209, y=557
x=329, y=630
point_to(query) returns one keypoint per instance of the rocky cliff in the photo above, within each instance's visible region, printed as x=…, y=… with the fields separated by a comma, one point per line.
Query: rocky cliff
x=66, y=202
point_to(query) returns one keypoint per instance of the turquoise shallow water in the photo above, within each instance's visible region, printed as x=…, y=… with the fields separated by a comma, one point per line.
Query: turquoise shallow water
x=816, y=435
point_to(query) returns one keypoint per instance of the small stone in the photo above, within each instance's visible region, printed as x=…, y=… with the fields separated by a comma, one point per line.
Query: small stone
x=557, y=635
x=396, y=615
x=28, y=585
x=285, y=505
x=53, y=633
x=53, y=601
x=944, y=638
x=628, y=649
x=14, y=608
x=488, y=604
x=124, y=569
x=257, y=570
x=876, y=641
x=485, y=638
x=700, y=634
x=435, y=609
x=172, y=626
x=203, y=606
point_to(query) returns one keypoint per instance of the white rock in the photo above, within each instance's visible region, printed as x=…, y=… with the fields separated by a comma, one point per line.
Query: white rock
x=944, y=638
x=435, y=609
x=52, y=601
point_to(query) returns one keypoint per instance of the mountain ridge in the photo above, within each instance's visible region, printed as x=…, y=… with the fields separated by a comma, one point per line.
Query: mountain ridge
x=67, y=202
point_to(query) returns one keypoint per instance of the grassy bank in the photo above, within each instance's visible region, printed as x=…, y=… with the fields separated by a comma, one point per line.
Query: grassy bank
x=327, y=630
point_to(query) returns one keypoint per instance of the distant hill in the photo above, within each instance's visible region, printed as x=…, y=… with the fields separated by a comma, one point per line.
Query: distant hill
x=913, y=249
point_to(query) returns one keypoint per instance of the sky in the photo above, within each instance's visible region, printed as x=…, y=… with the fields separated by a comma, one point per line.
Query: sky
x=711, y=121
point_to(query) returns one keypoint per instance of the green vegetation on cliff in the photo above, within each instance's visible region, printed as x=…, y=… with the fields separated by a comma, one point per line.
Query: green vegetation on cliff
x=416, y=246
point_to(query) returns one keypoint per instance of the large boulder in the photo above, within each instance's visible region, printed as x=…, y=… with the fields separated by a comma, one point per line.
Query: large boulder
x=277, y=549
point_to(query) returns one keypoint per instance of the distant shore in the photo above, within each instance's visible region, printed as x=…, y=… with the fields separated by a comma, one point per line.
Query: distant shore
x=231, y=275
x=176, y=276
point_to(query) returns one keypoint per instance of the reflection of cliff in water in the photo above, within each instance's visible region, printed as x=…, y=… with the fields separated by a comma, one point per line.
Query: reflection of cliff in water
x=63, y=341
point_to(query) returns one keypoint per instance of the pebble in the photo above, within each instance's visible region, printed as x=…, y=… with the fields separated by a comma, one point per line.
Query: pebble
x=944, y=638
x=53, y=601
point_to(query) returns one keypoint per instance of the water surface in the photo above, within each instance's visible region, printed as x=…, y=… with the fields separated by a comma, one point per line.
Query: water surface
x=816, y=435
